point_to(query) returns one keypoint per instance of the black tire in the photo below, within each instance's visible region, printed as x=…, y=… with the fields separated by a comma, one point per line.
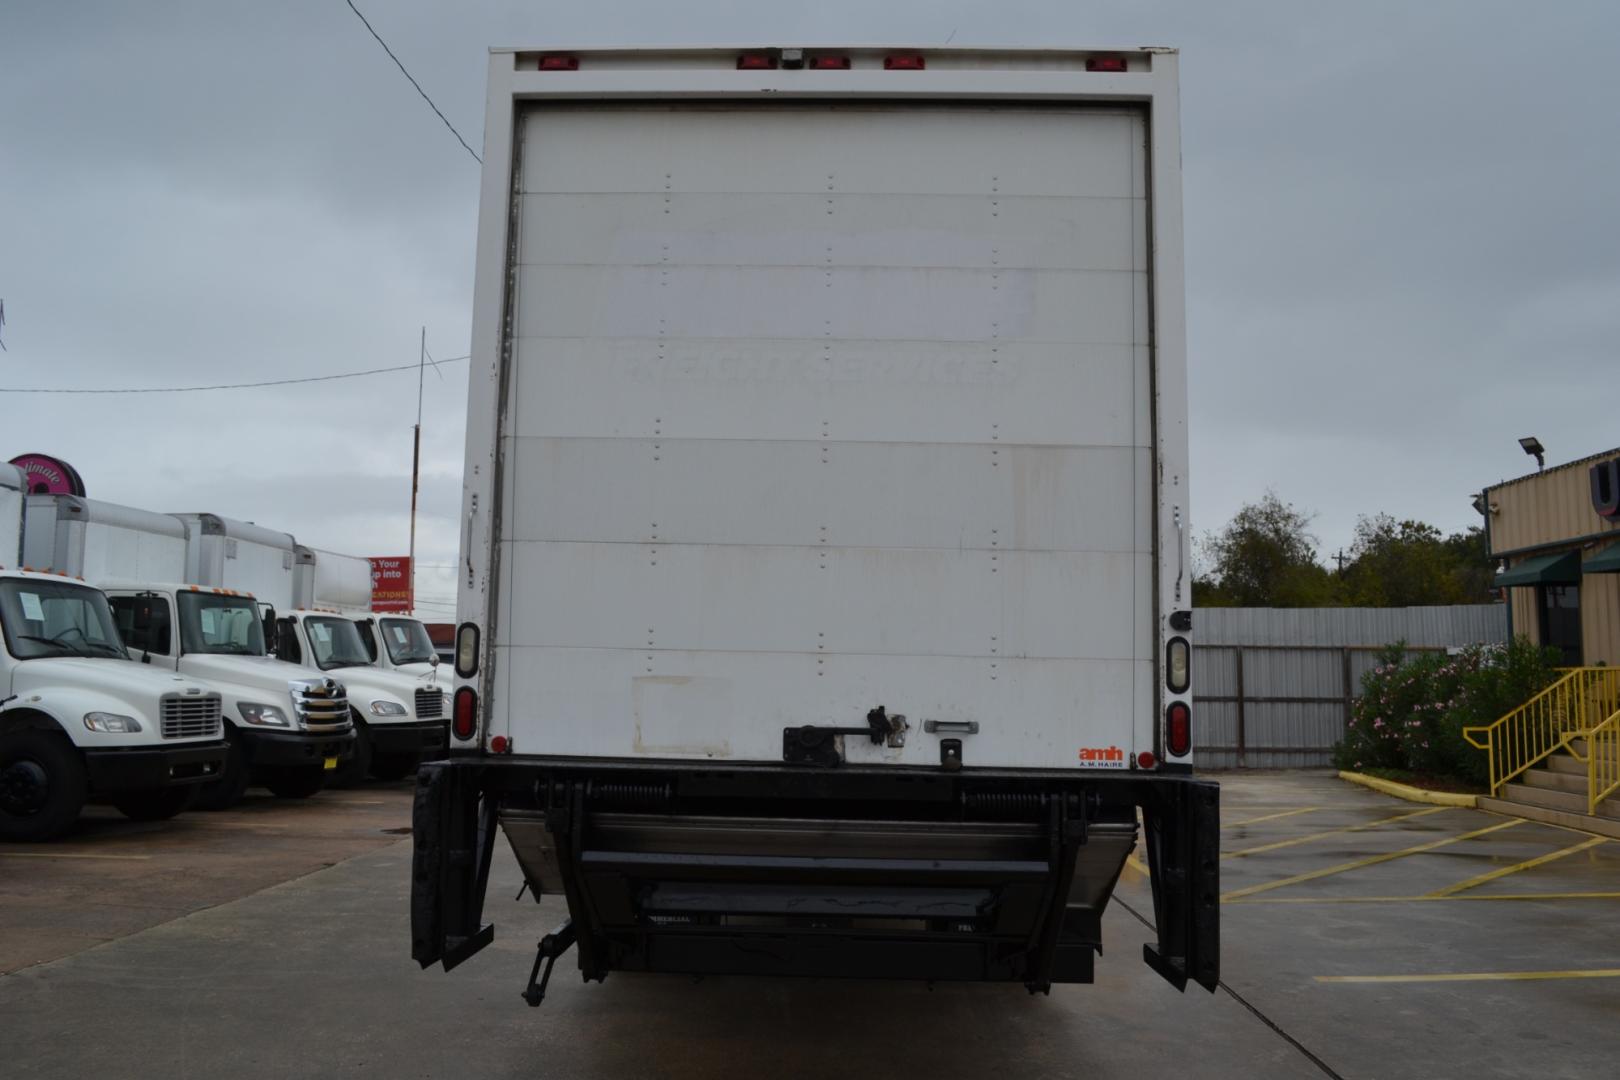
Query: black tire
x=42, y=785
x=394, y=766
x=159, y=805
x=357, y=766
x=227, y=791
x=295, y=781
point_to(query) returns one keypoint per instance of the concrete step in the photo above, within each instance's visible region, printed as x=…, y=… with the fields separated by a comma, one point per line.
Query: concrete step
x=1551, y=780
x=1567, y=801
x=1603, y=826
x=1563, y=763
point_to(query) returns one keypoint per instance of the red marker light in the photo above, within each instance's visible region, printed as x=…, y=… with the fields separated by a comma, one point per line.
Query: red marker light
x=1178, y=729
x=1106, y=63
x=1146, y=760
x=830, y=63
x=464, y=713
x=752, y=61
x=904, y=62
x=559, y=62
x=499, y=744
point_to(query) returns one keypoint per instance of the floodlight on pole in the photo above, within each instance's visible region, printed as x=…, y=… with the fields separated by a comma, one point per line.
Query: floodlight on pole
x=1533, y=447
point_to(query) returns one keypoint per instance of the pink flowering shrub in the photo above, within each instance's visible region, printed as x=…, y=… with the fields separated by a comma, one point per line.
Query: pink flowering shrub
x=1413, y=706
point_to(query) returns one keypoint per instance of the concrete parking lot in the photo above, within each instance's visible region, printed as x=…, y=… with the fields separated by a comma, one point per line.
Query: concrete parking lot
x=1363, y=937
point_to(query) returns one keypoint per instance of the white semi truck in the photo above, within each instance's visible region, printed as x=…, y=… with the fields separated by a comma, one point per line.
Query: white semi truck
x=824, y=598
x=328, y=581
x=77, y=718
x=286, y=726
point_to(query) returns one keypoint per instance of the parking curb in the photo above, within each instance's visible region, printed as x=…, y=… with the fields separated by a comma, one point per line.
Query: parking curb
x=1410, y=793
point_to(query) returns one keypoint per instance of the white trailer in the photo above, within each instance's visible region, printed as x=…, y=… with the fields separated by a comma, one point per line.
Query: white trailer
x=102, y=541
x=240, y=555
x=825, y=516
x=325, y=579
x=13, y=501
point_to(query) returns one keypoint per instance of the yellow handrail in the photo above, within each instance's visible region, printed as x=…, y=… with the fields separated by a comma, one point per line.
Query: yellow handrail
x=1602, y=762
x=1584, y=699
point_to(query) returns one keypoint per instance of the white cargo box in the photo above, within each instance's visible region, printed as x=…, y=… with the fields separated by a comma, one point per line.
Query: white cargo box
x=869, y=390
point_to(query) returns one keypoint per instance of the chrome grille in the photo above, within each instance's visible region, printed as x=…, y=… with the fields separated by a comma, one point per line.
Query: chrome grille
x=321, y=704
x=190, y=716
x=429, y=704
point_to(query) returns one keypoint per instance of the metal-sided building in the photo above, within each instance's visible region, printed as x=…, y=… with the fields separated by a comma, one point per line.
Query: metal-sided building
x=1556, y=537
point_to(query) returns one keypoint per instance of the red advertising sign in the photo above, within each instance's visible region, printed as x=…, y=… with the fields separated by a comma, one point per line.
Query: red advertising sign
x=390, y=583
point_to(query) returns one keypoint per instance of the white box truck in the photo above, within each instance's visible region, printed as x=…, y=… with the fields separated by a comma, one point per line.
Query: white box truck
x=285, y=725
x=824, y=600
x=326, y=580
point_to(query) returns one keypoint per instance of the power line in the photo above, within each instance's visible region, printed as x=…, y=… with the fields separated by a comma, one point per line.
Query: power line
x=414, y=83
x=218, y=386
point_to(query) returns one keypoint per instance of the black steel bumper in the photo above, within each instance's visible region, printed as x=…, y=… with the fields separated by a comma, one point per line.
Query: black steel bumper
x=426, y=737
x=973, y=875
x=149, y=768
x=268, y=748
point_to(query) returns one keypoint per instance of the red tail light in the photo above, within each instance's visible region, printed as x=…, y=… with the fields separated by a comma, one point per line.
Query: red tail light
x=559, y=62
x=755, y=61
x=1106, y=63
x=1178, y=729
x=830, y=63
x=904, y=62
x=464, y=713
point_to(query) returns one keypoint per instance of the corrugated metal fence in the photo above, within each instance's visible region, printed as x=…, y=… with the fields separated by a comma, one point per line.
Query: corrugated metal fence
x=1273, y=686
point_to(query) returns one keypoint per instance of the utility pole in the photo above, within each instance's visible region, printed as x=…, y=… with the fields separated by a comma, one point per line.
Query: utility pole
x=416, y=464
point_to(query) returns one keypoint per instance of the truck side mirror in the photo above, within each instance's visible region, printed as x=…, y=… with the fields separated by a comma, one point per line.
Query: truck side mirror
x=267, y=617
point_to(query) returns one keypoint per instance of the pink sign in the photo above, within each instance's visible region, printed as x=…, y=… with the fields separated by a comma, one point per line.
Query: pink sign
x=46, y=475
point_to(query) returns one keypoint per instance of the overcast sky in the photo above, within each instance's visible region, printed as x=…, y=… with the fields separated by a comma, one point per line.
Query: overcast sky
x=1402, y=246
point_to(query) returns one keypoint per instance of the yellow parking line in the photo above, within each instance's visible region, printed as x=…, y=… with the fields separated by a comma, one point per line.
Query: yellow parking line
x=1516, y=867
x=68, y=855
x=1136, y=864
x=1268, y=817
x=1371, y=860
x=1308, y=837
x=1474, y=976
x=1427, y=899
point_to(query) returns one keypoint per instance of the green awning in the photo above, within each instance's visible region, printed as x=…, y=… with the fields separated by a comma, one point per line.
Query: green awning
x=1563, y=568
x=1606, y=561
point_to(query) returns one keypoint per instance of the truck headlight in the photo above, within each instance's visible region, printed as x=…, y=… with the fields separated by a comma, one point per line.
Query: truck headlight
x=111, y=723
x=262, y=715
x=388, y=708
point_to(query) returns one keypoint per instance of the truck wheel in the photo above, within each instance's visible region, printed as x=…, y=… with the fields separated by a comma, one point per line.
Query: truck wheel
x=295, y=782
x=42, y=785
x=227, y=791
x=394, y=766
x=160, y=804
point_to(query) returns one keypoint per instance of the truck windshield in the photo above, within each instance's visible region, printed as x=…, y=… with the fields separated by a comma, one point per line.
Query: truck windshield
x=335, y=643
x=211, y=623
x=407, y=641
x=57, y=618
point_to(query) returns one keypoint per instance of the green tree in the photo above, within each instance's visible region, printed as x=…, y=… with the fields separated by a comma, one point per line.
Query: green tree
x=1411, y=563
x=1264, y=557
